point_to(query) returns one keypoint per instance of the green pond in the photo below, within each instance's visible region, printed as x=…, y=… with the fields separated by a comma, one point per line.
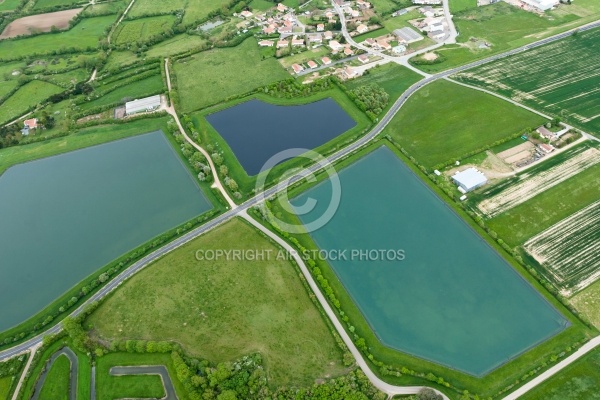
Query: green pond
x=441, y=293
x=67, y=216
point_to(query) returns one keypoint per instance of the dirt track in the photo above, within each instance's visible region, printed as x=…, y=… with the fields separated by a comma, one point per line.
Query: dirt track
x=39, y=23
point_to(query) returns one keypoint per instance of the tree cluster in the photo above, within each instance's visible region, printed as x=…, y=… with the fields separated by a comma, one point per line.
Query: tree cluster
x=372, y=99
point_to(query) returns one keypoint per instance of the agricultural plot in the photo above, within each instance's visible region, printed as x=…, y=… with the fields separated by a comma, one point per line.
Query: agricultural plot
x=198, y=10
x=569, y=250
x=84, y=35
x=27, y=96
x=135, y=90
x=153, y=7
x=561, y=78
x=39, y=23
x=529, y=185
x=140, y=30
x=210, y=77
x=466, y=120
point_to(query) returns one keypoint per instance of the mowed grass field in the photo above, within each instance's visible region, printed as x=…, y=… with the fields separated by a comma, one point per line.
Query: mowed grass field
x=9, y=5
x=134, y=386
x=444, y=121
x=221, y=310
x=82, y=36
x=561, y=78
x=140, y=30
x=56, y=385
x=210, y=77
x=578, y=381
x=83, y=138
x=27, y=96
x=149, y=7
x=461, y=5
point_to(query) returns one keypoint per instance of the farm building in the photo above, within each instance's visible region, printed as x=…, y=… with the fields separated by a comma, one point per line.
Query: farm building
x=407, y=35
x=469, y=179
x=542, y=5
x=146, y=104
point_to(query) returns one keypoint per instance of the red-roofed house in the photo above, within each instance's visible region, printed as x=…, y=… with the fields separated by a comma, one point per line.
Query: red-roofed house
x=281, y=7
x=297, y=68
x=297, y=42
x=312, y=64
x=326, y=60
x=320, y=27
x=335, y=45
x=282, y=43
x=31, y=123
x=362, y=28
x=267, y=30
x=246, y=14
x=363, y=58
x=348, y=51
x=328, y=35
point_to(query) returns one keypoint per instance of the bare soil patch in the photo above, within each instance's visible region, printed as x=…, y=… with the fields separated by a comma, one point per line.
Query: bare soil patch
x=430, y=56
x=39, y=23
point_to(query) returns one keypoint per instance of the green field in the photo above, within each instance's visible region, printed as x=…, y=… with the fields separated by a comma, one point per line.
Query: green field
x=461, y=5
x=522, y=222
x=82, y=36
x=560, y=79
x=175, y=45
x=150, y=7
x=587, y=302
x=212, y=76
x=131, y=386
x=393, y=78
x=9, y=5
x=578, y=381
x=6, y=87
x=27, y=96
x=135, y=90
x=198, y=10
x=444, y=121
x=389, y=6
x=44, y=4
x=503, y=27
x=83, y=138
x=5, y=384
x=140, y=30
x=56, y=385
x=225, y=309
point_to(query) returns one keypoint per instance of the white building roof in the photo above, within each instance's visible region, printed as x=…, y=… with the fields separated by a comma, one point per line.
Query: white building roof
x=543, y=5
x=469, y=179
x=145, y=104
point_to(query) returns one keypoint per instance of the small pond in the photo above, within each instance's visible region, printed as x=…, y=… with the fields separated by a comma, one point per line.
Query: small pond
x=256, y=130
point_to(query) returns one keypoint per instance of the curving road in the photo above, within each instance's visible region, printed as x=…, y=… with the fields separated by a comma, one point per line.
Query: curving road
x=67, y=352
x=240, y=209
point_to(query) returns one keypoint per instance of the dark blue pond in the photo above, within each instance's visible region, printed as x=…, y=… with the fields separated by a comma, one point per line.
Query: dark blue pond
x=256, y=131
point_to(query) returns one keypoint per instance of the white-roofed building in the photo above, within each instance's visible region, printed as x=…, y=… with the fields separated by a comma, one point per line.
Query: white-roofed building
x=543, y=5
x=142, y=105
x=469, y=179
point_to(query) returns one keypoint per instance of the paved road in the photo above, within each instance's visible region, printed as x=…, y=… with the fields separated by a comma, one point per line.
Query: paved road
x=67, y=352
x=236, y=210
x=159, y=370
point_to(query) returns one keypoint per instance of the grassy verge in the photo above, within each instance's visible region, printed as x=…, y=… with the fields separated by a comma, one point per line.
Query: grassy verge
x=498, y=381
x=206, y=315
x=208, y=135
x=579, y=380
x=444, y=121
x=56, y=385
x=587, y=302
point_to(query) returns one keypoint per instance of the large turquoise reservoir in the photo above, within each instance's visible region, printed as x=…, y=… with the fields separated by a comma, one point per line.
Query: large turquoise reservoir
x=450, y=298
x=67, y=216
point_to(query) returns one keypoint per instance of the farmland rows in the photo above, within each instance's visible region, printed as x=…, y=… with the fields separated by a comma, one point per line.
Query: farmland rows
x=561, y=78
x=528, y=187
x=568, y=250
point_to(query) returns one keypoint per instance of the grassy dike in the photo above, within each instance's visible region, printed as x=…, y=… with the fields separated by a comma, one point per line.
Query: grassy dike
x=415, y=371
x=87, y=137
